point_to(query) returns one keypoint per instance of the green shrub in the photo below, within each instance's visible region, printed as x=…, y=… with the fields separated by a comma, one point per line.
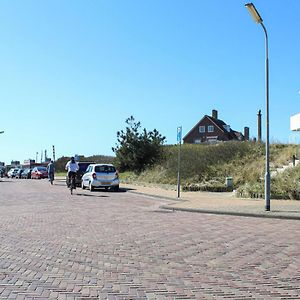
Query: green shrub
x=205, y=167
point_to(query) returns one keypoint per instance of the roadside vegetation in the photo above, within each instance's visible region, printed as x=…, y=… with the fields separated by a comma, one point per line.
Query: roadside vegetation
x=62, y=161
x=137, y=149
x=206, y=167
x=141, y=157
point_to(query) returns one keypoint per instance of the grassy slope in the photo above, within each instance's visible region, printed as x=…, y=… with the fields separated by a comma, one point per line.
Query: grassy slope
x=205, y=167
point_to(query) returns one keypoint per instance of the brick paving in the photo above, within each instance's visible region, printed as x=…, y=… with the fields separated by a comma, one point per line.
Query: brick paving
x=104, y=245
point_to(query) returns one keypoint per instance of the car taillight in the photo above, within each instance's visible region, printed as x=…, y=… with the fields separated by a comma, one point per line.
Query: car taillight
x=94, y=175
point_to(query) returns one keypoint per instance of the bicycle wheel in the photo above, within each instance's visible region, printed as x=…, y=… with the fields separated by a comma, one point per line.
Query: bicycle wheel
x=72, y=185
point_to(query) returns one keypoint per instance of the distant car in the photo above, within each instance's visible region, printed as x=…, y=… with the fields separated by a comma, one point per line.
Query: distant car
x=39, y=173
x=82, y=168
x=101, y=176
x=26, y=174
x=12, y=172
x=19, y=173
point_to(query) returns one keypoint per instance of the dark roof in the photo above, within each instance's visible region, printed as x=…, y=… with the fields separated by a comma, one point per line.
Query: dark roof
x=232, y=134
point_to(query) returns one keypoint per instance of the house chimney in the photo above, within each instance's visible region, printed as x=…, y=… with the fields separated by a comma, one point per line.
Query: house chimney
x=214, y=114
x=259, y=126
x=246, y=133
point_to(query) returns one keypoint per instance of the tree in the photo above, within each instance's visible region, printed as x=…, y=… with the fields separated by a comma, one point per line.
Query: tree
x=99, y=159
x=137, y=150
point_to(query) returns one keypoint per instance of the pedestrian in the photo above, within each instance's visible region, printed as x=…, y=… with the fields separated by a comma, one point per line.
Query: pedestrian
x=51, y=170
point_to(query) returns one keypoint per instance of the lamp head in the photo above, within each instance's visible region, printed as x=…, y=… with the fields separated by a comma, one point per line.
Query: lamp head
x=254, y=13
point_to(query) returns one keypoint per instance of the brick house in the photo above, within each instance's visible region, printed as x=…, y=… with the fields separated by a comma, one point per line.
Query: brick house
x=211, y=129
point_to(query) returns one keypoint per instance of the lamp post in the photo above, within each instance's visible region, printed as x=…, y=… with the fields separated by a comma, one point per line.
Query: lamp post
x=257, y=18
x=1, y=132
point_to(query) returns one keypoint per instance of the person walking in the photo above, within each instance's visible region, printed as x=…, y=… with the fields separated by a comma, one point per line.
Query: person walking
x=50, y=170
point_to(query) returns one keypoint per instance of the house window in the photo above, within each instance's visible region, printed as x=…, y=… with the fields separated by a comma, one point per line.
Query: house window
x=197, y=141
x=201, y=129
x=211, y=128
x=212, y=139
x=227, y=127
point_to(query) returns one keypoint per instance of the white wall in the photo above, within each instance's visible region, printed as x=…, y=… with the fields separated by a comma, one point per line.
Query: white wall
x=295, y=122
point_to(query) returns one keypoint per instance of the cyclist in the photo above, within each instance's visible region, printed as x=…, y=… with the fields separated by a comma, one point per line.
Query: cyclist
x=72, y=167
x=50, y=170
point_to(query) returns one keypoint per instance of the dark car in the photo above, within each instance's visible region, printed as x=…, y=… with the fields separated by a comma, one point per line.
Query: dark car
x=82, y=168
x=26, y=174
x=19, y=173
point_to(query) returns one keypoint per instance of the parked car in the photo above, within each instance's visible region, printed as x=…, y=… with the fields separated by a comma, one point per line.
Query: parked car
x=39, y=173
x=12, y=172
x=82, y=168
x=19, y=173
x=26, y=174
x=101, y=176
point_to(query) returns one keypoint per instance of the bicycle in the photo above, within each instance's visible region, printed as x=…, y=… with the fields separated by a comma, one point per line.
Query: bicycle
x=72, y=182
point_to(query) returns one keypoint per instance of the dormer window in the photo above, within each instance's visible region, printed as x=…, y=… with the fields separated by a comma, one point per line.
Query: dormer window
x=201, y=129
x=211, y=128
x=227, y=127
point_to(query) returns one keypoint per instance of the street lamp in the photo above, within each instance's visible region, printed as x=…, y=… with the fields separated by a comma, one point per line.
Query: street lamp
x=1, y=131
x=257, y=18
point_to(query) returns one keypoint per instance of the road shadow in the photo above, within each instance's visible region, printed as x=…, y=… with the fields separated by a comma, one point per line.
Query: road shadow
x=124, y=190
x=164, y=211
x=107, y=192
x=286, y=211
x=121, y=189
x=90, y=195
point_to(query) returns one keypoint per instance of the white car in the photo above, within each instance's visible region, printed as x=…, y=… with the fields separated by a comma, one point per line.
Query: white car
x=12, y=172
x=101, y=176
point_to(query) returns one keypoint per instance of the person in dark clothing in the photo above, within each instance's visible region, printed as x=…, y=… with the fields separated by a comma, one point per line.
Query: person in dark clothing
x=51, y=170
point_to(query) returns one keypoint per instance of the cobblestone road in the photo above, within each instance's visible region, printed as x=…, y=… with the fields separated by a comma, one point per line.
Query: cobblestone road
x=105, y=245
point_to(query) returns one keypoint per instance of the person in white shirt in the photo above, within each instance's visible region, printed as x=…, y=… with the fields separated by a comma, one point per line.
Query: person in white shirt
x=72, y=167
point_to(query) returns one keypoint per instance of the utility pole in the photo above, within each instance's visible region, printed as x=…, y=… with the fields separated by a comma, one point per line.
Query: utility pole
x=53, y=148
x=179, y=135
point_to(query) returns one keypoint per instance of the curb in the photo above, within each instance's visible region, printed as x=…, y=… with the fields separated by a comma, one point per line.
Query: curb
x=158, y=196
x=231, y=213
x=216, y=212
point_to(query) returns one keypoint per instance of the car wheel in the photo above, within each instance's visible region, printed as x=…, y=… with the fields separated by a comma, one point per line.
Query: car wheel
x=82, y=185
x=116, y=188
x=91, y=187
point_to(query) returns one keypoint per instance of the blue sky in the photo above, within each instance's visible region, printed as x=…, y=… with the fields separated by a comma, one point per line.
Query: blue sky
x=73, y=71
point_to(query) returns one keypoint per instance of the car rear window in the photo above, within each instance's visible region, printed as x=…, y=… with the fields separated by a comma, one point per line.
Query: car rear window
x=83, y=167
x=42, y=168
x=106, y=169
